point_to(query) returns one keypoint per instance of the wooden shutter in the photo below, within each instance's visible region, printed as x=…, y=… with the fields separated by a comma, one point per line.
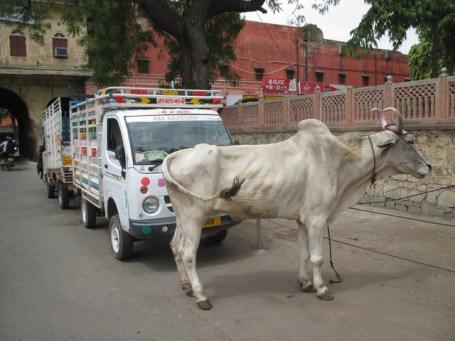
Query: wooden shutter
x=59, y=42
x=17, y=46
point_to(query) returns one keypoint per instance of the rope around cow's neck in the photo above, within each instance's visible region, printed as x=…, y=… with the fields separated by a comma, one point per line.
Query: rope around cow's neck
x=373, y=175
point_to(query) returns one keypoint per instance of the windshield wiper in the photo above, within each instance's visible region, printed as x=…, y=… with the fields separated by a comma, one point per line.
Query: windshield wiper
x=152, y=167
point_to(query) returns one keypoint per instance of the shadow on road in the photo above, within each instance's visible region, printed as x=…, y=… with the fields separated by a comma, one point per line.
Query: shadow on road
x=157, y=255
x=285, y=282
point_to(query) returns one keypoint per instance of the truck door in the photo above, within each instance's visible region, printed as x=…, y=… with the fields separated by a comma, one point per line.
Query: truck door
x=114, y=168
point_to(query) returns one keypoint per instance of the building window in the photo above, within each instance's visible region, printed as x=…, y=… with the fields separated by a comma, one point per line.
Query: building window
x=259, y=71
x=143, y=65
x=319, y=76
x=341, y=78
x=224, y=70
x=365, y=80
x=60, y=46
x=290, y=74
x=17, y=46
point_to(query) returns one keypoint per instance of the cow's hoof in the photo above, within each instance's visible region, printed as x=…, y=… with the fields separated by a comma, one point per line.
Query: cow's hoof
x=204, y=305
x=325, y=296
x=189, y=293
x=307, y=288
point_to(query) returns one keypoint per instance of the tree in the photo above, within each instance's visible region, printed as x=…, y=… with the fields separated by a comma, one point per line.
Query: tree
x=190, y=24
x=419, y=60
x=434, y=20
x=193, y=30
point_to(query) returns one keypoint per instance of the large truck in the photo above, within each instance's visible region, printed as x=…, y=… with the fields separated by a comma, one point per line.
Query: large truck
x=56, y=151
x=119, y=139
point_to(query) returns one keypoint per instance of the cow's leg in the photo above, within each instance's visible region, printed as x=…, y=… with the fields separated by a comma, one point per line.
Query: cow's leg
x=315, y=237
x=191, y=238
x=177, y=250
x=305, y=282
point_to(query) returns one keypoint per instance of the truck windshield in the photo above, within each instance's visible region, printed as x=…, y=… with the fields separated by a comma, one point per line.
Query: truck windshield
x=152, y=141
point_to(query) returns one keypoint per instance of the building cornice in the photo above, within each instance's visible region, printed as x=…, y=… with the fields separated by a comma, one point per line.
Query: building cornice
x=44, y=72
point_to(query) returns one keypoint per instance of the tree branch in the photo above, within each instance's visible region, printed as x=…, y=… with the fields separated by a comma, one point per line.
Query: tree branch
x=223, y=6
x=162, y=15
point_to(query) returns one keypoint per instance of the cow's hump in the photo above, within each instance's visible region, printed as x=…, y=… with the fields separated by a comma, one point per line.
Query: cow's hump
x=312, y=126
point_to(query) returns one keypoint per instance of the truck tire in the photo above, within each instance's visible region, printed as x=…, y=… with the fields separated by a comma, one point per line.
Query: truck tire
x=217, y=238
x=121, y=242
x=63, y=196
x=88, y=214
x=50, y=191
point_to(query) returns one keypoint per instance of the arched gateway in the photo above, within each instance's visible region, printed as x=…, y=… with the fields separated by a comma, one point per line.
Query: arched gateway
x=19, y=110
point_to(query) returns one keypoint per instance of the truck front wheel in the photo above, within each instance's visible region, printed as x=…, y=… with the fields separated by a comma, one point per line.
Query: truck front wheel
x=88, y=214
x=63, y=196
x=217, y=238
x=121, y=242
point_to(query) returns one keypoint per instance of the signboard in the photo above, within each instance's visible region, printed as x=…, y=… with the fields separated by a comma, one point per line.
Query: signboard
x=170, y=100
x=276, y=85
x=307, y=88
x=284, y=86
x=250, y=98
x=311, y=87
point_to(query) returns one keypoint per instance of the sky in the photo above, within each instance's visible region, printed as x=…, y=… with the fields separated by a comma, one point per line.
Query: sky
x=335, y=25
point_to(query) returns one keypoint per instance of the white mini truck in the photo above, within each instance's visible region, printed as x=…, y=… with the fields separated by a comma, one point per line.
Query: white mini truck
x=119, y=140
x=57, y=152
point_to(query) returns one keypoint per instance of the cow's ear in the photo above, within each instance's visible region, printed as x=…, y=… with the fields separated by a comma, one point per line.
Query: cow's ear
x=386, y=139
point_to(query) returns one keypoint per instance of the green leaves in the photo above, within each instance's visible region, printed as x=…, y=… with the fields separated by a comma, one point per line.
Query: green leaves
x=433, y=19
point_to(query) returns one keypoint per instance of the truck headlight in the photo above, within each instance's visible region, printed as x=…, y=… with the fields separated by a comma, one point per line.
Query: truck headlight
x=150, y=204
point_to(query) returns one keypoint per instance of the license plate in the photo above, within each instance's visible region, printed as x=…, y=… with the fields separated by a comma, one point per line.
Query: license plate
x=67, y=161
x=212, y=222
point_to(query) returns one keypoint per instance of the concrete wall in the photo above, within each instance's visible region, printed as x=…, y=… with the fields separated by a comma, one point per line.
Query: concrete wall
x=437, y=146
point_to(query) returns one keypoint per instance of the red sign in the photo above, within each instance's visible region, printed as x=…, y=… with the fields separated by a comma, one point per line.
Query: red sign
x=170, y=100
x=138, y=91
x=276, y=84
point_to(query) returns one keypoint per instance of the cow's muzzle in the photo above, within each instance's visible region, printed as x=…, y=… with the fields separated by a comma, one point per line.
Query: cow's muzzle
x=424, y=170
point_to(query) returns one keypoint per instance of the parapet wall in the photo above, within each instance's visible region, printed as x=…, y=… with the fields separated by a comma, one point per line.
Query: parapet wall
x=438, y=148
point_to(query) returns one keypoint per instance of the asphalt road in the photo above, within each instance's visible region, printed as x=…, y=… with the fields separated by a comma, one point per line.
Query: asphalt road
x=58, y=281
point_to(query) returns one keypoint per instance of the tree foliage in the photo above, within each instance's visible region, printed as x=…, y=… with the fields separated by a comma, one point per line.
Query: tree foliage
x=199, y=34
x=221, y=33
x=434, y=21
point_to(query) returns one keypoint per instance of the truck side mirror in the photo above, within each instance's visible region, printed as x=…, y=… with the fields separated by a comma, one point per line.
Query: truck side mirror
x=120, y=155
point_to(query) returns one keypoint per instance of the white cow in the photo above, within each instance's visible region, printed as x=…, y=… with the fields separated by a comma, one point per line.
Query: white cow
x=310, y=177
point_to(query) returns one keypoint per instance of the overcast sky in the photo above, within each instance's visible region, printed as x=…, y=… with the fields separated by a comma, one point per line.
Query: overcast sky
x=336, y=24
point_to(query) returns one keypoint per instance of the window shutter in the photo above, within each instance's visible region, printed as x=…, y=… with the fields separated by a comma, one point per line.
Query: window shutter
x=59, y=42
x=17, y=46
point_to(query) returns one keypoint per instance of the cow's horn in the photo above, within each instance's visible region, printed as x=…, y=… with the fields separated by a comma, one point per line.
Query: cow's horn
x=383, y=120
x=398, y=115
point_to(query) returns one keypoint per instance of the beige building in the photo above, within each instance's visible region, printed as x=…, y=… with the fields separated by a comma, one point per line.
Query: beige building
x=32, y=75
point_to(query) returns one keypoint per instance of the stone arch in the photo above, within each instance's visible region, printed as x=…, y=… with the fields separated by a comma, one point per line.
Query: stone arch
x=18, y=108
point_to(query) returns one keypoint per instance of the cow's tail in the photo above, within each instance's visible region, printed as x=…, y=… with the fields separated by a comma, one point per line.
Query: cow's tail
x=226, y=193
